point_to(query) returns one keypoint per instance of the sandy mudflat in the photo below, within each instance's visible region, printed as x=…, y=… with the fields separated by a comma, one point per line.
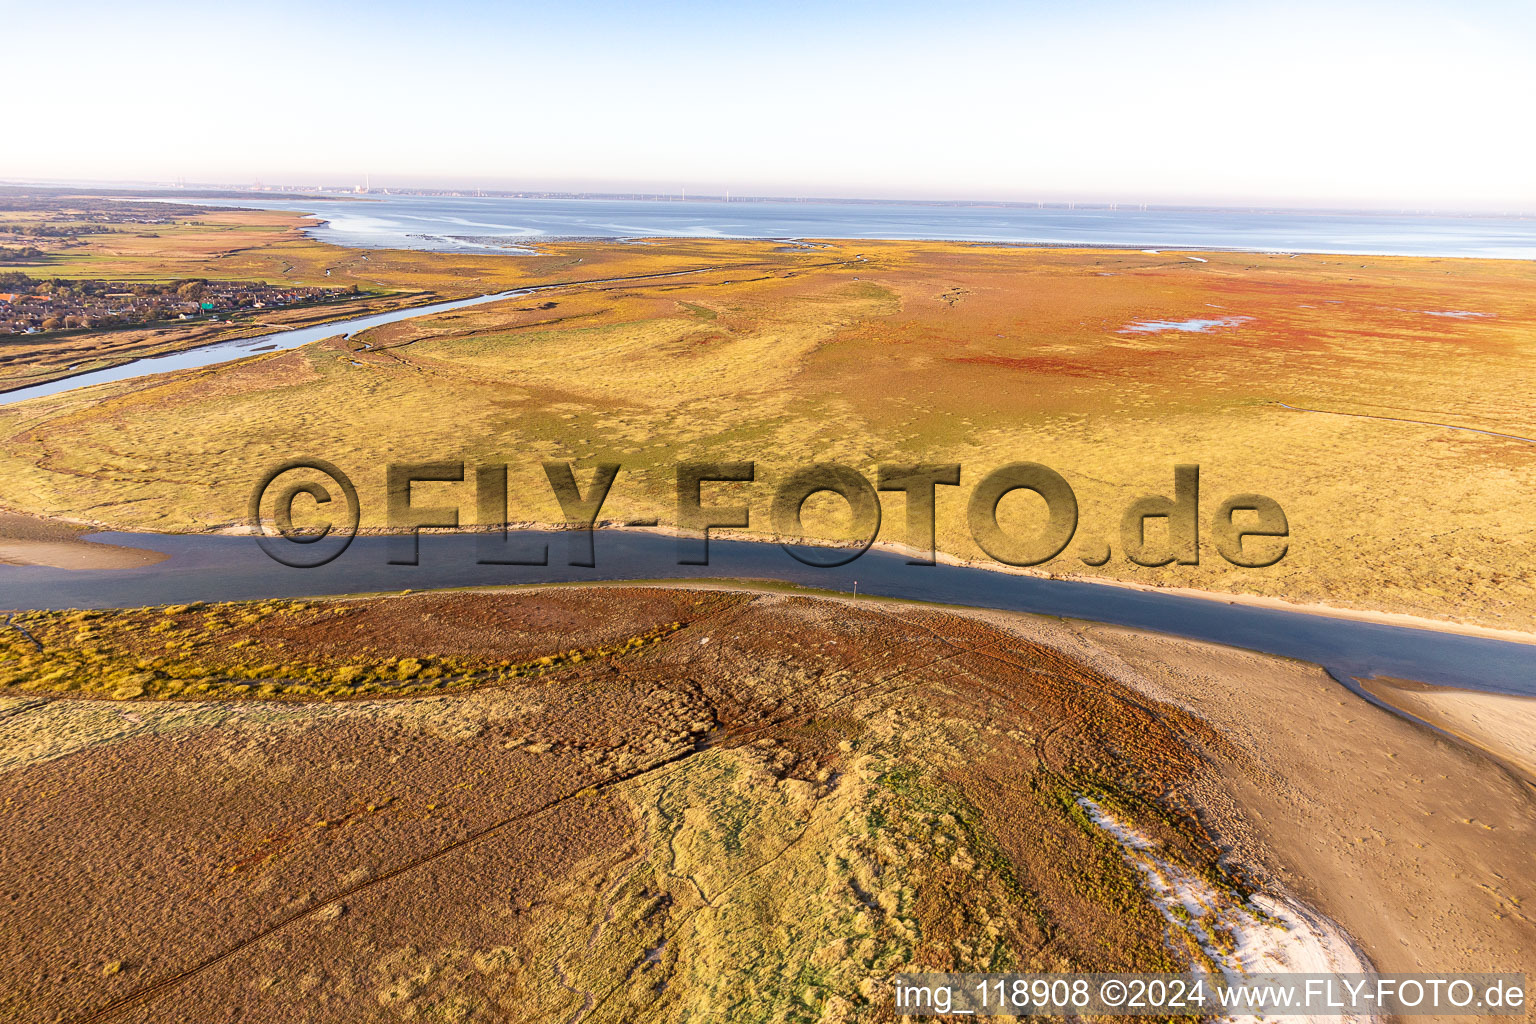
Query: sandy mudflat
x=1502, y=724
x=27, y=540
x=1420, y=847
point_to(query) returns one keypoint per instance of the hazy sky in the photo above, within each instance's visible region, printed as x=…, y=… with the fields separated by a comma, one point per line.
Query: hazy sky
x=1400, y=103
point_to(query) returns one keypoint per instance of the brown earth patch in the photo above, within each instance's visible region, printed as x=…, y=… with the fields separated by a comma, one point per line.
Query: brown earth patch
x=786, y=793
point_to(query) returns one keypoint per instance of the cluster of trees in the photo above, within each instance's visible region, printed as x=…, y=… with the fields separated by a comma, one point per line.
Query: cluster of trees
x=186, y=289
x=57, y=230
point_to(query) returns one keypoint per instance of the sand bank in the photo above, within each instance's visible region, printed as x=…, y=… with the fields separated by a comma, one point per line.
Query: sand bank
x=1417, y=845
x=28, y=540
x=1504, y=725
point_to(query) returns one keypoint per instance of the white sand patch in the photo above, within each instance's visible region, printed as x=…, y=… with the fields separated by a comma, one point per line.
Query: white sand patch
x=1193, y=326
x=1269, y=934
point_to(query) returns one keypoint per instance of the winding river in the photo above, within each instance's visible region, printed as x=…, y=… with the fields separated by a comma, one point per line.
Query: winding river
x=222, y=568
x=241, y=348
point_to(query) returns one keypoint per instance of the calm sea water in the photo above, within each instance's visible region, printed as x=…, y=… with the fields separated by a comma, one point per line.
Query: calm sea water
x=493, y=223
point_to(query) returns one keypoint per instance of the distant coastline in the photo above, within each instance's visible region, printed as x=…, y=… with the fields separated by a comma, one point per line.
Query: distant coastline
x=449, y=222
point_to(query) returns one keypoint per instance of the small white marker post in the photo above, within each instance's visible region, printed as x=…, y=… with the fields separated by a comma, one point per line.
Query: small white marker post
x=855, y=588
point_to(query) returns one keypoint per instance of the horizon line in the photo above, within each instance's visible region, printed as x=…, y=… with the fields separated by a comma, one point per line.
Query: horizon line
x=341, y=190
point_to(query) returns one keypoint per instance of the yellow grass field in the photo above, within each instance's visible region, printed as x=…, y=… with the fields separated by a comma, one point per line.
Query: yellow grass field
x=868, y=353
